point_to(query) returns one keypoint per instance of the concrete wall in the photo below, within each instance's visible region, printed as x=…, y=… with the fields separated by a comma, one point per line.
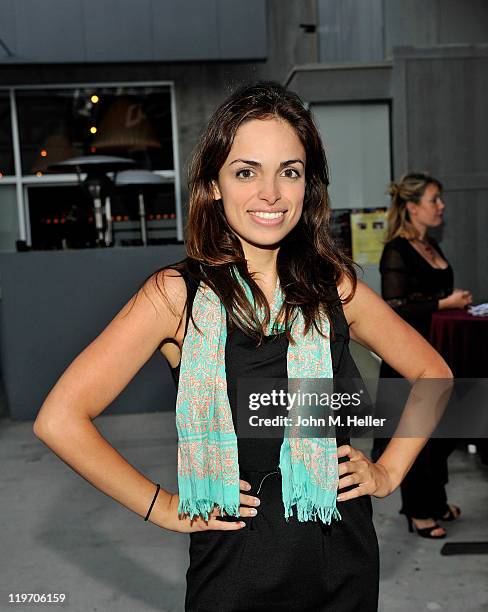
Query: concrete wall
x=369, y=30
x=440, y=125
x=351, y=30
x=427, y=23
x=124, y=30
x=54, y=303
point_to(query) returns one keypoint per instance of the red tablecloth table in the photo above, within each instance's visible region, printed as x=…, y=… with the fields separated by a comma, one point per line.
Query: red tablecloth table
x=462, y=340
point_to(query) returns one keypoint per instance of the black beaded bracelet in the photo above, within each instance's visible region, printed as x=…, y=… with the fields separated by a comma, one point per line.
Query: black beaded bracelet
x=152, y=504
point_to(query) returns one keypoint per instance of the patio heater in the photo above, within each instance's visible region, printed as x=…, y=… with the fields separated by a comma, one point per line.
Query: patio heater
x=137, y=181
x=98, y=186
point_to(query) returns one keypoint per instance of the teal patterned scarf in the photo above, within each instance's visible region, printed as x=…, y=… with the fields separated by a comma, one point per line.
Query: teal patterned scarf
x=208, y=468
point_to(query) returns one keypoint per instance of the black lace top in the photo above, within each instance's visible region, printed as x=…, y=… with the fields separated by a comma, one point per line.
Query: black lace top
x=410, y=285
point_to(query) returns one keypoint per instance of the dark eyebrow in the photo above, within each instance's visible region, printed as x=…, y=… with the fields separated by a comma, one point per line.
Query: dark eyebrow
x=247, y=162
x=292, y=161
x=256, y=164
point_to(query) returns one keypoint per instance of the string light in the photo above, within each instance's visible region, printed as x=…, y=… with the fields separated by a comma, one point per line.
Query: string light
x=93, y=129
x=94, y=99
x=43, y=153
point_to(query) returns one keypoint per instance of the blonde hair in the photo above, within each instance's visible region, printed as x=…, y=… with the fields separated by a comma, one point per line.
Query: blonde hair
x=410, y=188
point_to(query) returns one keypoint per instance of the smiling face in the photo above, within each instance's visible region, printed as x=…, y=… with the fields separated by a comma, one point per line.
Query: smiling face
x=429, y=211
x=262, y=182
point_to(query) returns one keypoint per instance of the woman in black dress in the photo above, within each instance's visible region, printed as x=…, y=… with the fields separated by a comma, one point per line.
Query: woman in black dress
x=417, y=280
x=258, y=211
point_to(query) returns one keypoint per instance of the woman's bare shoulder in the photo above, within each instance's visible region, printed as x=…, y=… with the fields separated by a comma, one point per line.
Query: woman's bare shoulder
x=346, y=289
x=166, y=291
x=357, y=298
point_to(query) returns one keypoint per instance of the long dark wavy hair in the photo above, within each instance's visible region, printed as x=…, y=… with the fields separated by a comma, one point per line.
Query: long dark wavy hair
x=309, y=262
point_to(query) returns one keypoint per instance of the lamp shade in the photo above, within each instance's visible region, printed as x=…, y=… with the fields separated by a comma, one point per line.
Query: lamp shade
x=126, y=126
x=56, y=148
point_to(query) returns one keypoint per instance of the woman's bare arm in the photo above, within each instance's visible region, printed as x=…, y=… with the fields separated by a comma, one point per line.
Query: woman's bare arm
x=375, y=325
x=95, y=378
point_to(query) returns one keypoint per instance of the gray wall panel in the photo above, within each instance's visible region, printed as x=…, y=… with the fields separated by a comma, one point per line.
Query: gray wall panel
x=449, y=123
x=183, y=30
x=54, y=303
x=118, y=30
x=350, y=30
x=237, y=36
x=463, y=21
x=464, y=240
x=125, y=30
x=342, y=84
x=423, y=23
x=7, y=27
x=410, y=22
x=50, y=31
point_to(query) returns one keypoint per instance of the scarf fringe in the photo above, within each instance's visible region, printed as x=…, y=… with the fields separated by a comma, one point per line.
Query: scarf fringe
x=308, y=511
x=312, y=503
x=203, y=508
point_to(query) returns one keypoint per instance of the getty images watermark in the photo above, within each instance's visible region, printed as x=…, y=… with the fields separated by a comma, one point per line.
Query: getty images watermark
x=293, y=401
x=356, y=407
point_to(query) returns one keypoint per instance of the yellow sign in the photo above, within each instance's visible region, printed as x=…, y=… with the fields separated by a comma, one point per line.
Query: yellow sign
x=367, y=236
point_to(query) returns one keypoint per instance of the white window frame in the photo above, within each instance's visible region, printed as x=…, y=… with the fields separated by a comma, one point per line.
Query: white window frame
x=21, y=182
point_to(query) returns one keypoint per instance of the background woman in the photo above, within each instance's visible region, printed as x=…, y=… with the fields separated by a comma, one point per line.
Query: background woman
x=257, y=296
x=417, y=280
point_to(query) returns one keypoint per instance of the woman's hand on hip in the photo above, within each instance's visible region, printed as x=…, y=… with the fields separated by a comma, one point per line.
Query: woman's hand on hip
x=371, y=478
x=186, y=525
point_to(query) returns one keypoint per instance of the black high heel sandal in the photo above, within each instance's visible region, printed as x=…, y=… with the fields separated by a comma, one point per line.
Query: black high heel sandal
x=425, y=532
x=451, y=516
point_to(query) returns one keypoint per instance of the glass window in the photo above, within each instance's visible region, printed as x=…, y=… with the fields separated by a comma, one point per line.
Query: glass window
x=6, y=149
x=9, y=219
x=159, y=209
x=62, y=217
x=56, y=124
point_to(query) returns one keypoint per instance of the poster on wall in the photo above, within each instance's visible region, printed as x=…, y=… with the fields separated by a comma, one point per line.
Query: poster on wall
x=368, y=228
x=360, y=233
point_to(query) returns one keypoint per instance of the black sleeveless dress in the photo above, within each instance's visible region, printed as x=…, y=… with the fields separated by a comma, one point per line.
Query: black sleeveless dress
x=272, y=564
